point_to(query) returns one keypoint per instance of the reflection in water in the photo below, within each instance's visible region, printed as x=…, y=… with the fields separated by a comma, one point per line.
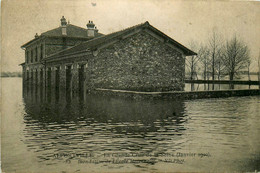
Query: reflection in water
x=205, y=87
x=47, y=132
x=91, y=123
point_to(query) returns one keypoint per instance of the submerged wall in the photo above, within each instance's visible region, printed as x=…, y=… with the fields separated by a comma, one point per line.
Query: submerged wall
x=138, y=63
x=180, y=95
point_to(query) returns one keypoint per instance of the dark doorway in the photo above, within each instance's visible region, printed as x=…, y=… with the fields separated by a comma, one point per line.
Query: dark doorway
x=41, y=77
x=27, y=81
x=36, y=77
x=31, y=79
x=57, y=84
x=57, y=78
x=36, y=84
x=41, y=85
x=27, y=76
x=48, y=91
x=49, y=78
x=68, y=78
x=81, y=78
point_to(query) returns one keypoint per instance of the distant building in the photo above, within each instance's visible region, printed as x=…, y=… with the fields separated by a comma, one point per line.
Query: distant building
x=140, y=58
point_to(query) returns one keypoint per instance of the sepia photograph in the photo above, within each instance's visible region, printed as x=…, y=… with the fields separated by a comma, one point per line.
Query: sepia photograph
x=130, y=86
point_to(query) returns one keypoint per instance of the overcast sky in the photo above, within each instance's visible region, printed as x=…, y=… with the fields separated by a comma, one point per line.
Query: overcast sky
x=181, y=20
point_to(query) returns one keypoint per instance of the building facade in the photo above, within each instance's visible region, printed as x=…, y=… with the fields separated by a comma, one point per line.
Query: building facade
x=139, y=58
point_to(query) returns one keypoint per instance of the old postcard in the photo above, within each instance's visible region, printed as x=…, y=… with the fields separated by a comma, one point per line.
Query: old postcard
x=130, y=86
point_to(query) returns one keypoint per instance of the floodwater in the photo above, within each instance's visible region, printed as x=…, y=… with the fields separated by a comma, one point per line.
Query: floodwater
x=94, y=133
x=203, y=87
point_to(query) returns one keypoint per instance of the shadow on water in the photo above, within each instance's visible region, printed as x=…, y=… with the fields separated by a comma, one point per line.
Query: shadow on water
x=60, y=122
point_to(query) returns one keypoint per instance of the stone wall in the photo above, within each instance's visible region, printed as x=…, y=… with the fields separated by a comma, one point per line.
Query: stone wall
x=139, y=62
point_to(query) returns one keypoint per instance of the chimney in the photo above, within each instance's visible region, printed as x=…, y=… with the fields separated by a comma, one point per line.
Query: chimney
x=63, y=26
x=92, y=29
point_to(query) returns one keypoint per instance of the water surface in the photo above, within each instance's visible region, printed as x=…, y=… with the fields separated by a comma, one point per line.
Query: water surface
x=53, y=133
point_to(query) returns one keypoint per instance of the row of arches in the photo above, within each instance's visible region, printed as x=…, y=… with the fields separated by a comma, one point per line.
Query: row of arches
x=70, y=77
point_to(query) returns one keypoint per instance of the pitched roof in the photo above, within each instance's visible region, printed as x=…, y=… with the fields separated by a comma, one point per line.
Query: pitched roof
x=94, y=43
x=72, y=31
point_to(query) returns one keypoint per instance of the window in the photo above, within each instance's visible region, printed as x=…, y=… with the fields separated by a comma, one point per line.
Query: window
x=41, y=51
x=31, y=56
x=36, y=53
x=26, y=57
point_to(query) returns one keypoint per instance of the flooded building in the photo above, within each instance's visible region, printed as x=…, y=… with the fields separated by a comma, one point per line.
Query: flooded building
x=139, y=58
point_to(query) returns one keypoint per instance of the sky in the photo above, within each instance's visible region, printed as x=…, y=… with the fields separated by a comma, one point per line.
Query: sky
x=182, y=20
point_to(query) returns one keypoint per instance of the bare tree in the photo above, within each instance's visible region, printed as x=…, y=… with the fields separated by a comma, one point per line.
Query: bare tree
x=235, y=57
x=192, y=66
x=214, y=46
x=248, y=63
x=192, y=62
x=248, y=71
x=203, y=57
x=220, y=65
